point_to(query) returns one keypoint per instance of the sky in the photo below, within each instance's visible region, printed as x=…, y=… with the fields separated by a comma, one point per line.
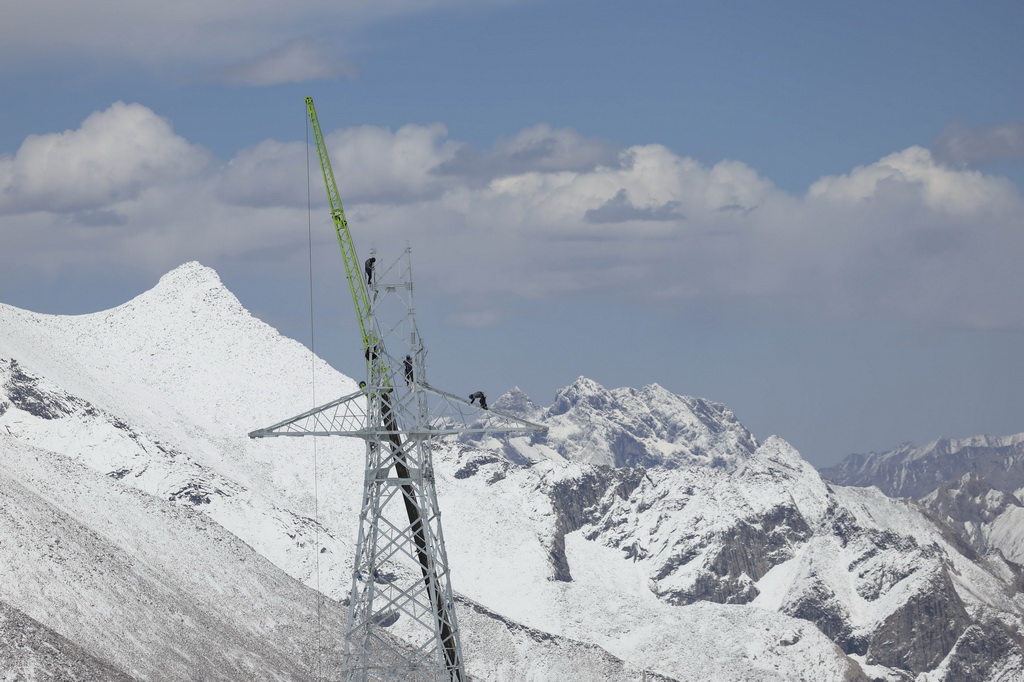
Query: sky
x=810, y=212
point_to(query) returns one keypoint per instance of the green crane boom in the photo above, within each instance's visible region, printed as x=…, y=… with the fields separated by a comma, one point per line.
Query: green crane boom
x=348, y=249
x=377, y=376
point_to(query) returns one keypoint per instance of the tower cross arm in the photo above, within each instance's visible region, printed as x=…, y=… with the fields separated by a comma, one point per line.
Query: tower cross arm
x=344, y=416
x=450, y=414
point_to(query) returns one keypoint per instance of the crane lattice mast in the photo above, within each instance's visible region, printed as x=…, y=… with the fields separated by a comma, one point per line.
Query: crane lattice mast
x=401, y=622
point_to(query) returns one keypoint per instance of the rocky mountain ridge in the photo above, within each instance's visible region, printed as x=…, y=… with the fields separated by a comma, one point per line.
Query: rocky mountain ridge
x=628, y=427
x=975, y=485
x=911, y=471
x=646, y=532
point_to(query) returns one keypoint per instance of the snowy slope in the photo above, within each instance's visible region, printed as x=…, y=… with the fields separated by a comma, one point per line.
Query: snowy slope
x=31, y=651
x=973, y=484
x=646, y=531
x=161, y=392
x=157, y=395
x=148, y=588
x=514, y=568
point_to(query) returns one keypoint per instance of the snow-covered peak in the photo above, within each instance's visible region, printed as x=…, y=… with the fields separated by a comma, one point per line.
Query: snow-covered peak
x=192, y=274
x=950, y=445
x=777, y=467
x=185, y=356
x=189, y=289
x=517, y=403
x=582, y=391
x=910, y=471
x=626, y=427
x=698, y=553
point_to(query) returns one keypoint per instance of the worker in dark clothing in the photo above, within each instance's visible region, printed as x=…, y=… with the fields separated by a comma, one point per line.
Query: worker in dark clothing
x=368, y=267
x=408, y=370
x=478, y=395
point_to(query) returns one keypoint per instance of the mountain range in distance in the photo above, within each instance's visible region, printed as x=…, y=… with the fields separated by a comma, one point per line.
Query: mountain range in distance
x=143, y=536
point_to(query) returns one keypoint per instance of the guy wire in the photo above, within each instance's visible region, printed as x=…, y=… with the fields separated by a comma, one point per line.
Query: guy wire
x=316, y=467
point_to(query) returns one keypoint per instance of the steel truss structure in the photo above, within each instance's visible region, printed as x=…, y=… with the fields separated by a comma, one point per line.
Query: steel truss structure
x=401, y=623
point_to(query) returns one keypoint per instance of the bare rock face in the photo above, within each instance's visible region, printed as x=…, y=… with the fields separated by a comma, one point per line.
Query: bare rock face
x=871, y=573
x=737, y=557
x=919, y=634
x=584, y=500
x=31, y=395
x=817, y=602
x=725, y=562
x=982, y=653
x=970, y=500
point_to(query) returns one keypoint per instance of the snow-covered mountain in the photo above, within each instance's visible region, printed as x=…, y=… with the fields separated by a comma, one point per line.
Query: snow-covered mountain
x=30, y=650
x=910, y=471
x=987, y=518
x=627, y=427
x=973, y=484
x=138, y=587
x=646, y=532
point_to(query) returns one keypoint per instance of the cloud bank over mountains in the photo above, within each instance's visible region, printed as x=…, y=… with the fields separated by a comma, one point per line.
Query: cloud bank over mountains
x=543, y=213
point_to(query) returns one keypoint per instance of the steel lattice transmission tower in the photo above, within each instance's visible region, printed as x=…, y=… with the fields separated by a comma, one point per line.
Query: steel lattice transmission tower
x=401, y=614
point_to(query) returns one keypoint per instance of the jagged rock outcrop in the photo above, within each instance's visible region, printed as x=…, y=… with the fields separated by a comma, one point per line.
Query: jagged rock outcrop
x=873, y=574
x=818, y=603
x=970, y=488
x=735, y=558
x=584, y=500
x=628, y=427
x=970, y=500
x=28, y=393
x=919, y=634
x=985, y=651
x=988, y=519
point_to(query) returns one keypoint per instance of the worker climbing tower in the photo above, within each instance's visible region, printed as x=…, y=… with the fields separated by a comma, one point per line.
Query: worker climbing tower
x=401, y=622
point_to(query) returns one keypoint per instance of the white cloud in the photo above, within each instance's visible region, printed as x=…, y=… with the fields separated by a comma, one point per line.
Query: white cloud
x=959, y=145
x=269, y=174
x=905, y=236
x=295, y=62
x=537, y=148
x=378, y=164
x=208, y=33
x=115, y=155
x=369, y=163
x=912, y=176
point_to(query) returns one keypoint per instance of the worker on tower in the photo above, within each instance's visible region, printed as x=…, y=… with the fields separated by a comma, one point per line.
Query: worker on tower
x=408, y=370
x=368, y=268
x=478, y=395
